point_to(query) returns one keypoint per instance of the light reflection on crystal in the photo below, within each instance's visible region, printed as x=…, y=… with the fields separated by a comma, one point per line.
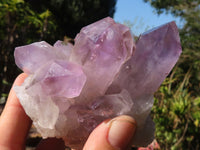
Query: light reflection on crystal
x=73, y=88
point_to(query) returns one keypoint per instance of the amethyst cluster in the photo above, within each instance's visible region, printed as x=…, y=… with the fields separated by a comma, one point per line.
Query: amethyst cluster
x=72, y=88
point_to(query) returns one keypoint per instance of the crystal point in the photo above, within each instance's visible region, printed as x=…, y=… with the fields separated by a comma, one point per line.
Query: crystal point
x=100, y=47
x=72, y=88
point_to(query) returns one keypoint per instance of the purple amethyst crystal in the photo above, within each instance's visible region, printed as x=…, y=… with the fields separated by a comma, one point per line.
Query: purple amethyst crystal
x=72, y=88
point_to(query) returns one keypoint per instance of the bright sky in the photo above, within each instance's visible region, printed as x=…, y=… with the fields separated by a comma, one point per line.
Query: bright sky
x=141, y=16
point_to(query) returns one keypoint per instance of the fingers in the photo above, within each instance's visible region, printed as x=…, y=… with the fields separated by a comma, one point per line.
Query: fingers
x=114, y=134
x=14, y=123
x=51, y=144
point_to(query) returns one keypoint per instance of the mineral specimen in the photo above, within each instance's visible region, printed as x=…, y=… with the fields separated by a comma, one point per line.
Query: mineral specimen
x=72, y=88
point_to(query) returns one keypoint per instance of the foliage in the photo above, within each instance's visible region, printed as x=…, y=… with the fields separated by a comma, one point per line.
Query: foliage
x=177, y=117
x=176, y=7
x=19, y=25
x=177, y=106
x=72, y=15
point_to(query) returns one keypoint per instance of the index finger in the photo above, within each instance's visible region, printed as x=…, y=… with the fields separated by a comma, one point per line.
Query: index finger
x=14, y=123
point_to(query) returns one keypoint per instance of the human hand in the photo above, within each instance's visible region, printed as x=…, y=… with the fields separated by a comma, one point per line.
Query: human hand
x=14, y=126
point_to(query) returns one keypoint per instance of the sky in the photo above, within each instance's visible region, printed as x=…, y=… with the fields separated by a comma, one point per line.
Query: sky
x=140, y=16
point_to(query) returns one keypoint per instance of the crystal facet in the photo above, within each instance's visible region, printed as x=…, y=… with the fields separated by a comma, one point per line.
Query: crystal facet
x=72, y=88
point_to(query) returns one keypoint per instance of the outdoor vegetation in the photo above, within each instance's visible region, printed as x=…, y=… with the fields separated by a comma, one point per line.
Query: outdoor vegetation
x=176, y=111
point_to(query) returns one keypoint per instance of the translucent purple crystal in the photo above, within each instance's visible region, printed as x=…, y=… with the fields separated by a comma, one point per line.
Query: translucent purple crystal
x=72, y=88
x=101, y=49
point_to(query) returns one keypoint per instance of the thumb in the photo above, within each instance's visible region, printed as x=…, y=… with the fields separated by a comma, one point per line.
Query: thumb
x=114, y=134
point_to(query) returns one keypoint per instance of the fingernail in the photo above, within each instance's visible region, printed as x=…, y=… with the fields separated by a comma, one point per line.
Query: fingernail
x=121, y=131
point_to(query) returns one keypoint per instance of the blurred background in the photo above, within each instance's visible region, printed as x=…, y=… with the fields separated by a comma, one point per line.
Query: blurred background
x=176, y=111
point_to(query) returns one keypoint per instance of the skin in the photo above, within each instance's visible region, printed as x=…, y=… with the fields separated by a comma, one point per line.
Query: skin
x=15, y=125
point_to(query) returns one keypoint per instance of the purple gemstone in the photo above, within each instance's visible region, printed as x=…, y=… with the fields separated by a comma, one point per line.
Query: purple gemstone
x=72, y=88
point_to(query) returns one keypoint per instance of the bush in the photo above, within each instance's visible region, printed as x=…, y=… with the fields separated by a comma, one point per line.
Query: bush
x=19, y=25
x=177, y=116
